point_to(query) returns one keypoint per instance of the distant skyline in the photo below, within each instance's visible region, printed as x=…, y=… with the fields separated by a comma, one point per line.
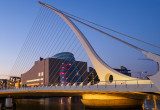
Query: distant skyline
x=139, y=19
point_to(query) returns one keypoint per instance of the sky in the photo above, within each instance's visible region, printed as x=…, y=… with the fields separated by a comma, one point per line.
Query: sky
x=137, y=18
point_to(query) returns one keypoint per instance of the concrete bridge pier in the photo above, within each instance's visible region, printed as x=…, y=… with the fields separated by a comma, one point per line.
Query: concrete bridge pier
x=8, y=103
x=113, y=100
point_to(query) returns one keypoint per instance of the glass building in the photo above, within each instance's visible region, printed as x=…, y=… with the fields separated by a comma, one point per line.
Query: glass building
x=69, y=72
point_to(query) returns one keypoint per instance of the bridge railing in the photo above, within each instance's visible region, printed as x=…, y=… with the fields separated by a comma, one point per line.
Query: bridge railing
x=115, y=83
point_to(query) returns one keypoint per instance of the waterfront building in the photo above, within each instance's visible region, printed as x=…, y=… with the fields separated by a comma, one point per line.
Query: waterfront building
x=6, y=84
x=92, y=76
x=11, y=82
x=3, y=83
x=69, y=72
x=44, y=72
x=16, y=80
x=49, y=71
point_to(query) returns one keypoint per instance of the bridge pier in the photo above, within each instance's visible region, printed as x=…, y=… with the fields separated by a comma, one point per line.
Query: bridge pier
x=113, y=100
x=8, y=103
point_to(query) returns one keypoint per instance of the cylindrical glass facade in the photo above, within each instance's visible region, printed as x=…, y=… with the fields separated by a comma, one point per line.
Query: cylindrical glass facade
x=68, y=69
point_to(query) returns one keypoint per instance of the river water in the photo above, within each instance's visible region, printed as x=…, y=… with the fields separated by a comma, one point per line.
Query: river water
x=74, y=103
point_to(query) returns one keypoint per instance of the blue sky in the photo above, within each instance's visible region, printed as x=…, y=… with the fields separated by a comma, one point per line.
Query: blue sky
x=137, y=18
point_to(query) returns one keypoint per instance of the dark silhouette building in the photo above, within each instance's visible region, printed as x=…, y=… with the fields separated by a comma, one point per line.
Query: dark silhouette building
x=92, y=76
x=124, y=71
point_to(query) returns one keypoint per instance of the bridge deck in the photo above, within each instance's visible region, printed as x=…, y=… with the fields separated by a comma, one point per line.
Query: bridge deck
x=78, y=90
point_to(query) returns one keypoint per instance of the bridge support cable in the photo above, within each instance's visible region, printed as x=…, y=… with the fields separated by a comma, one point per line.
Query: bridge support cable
x=75, y=74
x=137, y=48
x=38, y=43
x=73, y=16
x=25, y=42
x=65, y=58
x=86, y=78
x=84, y=81
x=82, y=59
x=71, y=73
x=58, y=63
x=24, y=50
x=34, y=47
x=72, y=38
x=54, y=42
x=46, y=39
x=52, y=67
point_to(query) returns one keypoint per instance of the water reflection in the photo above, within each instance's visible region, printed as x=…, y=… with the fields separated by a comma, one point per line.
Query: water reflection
x=152, y=103
x=56, y=103
x=74, y=103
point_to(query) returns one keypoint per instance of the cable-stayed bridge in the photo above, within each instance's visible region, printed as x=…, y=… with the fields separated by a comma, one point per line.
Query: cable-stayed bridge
x=113, y=85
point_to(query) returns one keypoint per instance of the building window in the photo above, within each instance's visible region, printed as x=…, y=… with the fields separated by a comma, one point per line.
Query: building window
x=33, y=80
x=41, y=73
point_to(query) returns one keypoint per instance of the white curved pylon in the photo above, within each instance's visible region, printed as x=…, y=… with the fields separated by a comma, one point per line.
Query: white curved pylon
x=102, y=69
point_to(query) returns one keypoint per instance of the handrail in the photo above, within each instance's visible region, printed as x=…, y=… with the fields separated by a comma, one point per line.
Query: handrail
x=115, y=83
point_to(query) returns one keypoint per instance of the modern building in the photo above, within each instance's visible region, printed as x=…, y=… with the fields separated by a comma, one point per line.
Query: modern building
x=92, y=76
x=16, y=80
x=55, y=70
x=3, y=83
x=69, y=72
x=44, y=72
x=124, y=71
x=10, y=82
x=6, y=84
